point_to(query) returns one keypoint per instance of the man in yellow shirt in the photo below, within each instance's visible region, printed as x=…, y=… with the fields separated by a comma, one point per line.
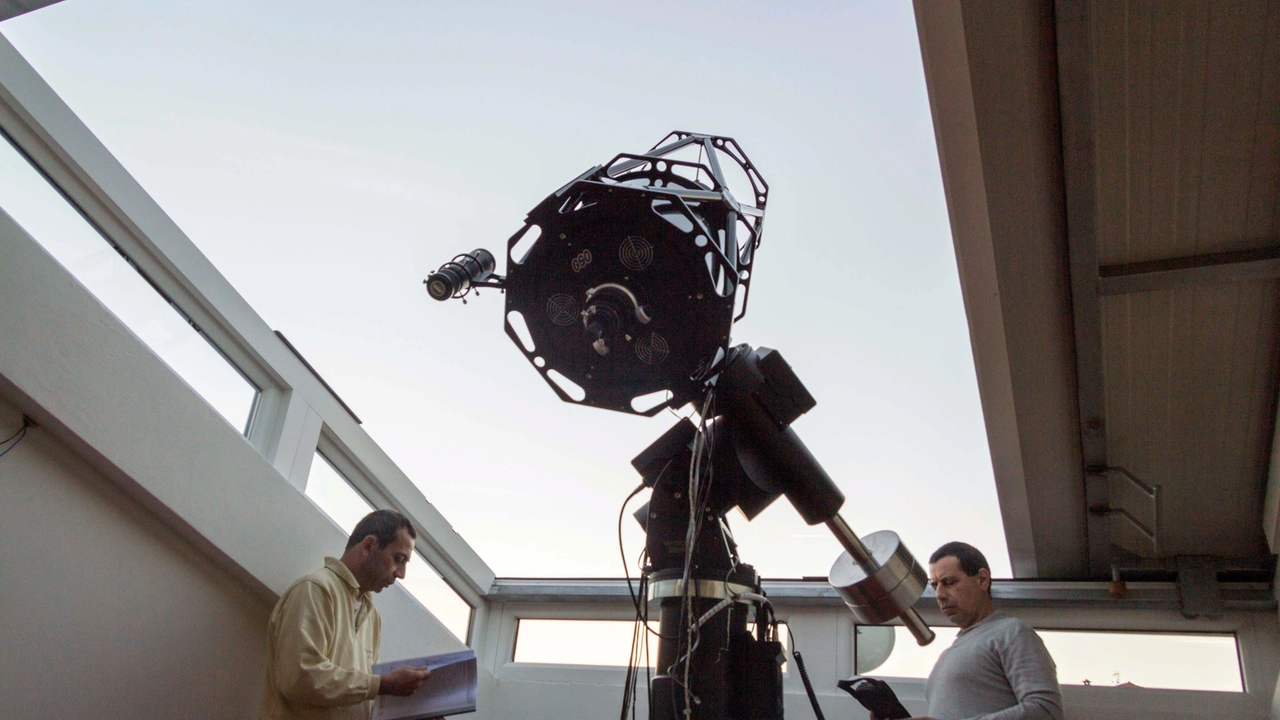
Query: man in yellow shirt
x=323, y=635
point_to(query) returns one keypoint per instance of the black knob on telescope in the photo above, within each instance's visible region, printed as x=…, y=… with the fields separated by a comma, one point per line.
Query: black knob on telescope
x=457, y=275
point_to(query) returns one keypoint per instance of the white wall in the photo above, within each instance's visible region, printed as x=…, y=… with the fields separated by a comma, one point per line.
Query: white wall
x=104, y=611
x=144, y=538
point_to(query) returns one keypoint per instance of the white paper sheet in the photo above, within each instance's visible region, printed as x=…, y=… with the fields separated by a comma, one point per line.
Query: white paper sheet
x=450, y=690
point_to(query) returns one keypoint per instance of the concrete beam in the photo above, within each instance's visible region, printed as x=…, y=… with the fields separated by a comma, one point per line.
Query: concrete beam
x=991, y=73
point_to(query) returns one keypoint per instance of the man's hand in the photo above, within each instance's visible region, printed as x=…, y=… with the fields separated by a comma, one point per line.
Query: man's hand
x=404, y=681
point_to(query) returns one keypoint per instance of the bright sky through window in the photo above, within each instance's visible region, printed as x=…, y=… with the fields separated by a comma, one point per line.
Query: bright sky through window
x=326, y=161
x=1150, y=660
x=328, y=489
x=51, y=220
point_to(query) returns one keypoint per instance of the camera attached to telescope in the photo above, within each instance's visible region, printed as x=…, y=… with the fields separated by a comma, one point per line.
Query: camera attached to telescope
x=621, y=290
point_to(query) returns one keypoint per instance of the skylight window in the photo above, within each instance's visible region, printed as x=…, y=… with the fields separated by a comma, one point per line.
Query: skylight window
x=335, y=495
x=48, y=217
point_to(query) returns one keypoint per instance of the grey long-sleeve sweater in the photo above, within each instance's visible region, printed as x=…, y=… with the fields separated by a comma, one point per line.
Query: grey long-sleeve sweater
x=997, y=669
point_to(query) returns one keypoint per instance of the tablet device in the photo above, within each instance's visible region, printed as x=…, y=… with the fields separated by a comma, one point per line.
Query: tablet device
x=876, y=696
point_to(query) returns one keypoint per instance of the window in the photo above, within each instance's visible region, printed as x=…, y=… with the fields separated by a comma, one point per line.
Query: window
x=425, y=584
x=328, y=489
x=59, y=227
x=335, y=495
x=592, y=642
x=578, y=642
x=1152, y=660
x=891, y=651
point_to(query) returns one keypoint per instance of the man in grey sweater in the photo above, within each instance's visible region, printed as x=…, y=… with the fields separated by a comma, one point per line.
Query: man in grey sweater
x=997, y=668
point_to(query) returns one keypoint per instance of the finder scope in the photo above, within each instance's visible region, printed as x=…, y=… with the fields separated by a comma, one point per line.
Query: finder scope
x=455, y=277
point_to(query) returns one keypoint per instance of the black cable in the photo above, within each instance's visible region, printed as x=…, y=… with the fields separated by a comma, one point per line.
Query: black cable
x=15, y=434
x=808, y=686
x=621, y=550
x=804, y=676
x=642, y=612
x=629, y=684
x=19, y=435
x=648, y=662
x=626, y=571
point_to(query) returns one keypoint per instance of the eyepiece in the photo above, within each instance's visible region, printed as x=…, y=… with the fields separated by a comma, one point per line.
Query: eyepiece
x=457, y=276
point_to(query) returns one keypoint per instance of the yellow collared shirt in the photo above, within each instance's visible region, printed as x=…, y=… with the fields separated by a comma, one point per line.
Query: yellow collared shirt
x=320, y=652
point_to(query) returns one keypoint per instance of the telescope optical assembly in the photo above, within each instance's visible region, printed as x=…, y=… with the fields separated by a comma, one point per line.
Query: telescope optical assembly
x=628, y=286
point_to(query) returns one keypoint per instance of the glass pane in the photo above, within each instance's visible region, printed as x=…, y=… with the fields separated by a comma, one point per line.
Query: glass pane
x=1151, y=660
x=578, y=642
x=330, y=490
x=424, y=583
x=54, y=223
x=908, y=659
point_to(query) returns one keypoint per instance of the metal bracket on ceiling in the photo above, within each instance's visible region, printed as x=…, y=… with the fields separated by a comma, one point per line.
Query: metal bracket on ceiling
x=1151, y=491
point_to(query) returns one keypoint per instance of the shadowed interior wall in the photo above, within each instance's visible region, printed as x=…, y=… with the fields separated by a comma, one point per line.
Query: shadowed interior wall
x=104, y=611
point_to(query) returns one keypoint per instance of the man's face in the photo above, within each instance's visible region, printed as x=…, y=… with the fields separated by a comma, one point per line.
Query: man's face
x=964, y=599
x=381, y=566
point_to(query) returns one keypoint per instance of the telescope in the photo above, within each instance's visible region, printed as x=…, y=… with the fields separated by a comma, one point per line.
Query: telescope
x=621, y=290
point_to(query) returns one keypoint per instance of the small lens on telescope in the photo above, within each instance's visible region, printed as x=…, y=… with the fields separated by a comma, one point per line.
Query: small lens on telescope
x=438, y=288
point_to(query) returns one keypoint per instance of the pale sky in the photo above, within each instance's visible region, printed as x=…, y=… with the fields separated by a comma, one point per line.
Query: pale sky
x=327, y=158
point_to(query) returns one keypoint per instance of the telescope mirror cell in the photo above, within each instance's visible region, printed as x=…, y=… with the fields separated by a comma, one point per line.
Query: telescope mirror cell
x=890, y=590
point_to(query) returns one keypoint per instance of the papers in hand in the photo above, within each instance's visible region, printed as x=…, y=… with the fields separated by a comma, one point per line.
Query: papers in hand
x=450, y=690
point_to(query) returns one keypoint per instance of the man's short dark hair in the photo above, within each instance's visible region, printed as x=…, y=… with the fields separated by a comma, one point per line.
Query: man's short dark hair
x=383, y=525
x=970, y=558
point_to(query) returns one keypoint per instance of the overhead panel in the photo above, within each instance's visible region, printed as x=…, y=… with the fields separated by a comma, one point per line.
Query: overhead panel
x=1190, y=386
x=1187, y=128
x=1186, y=115
x=993, y=88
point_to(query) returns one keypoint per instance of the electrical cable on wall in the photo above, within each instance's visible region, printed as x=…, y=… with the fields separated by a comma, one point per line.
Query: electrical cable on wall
x=18, y=436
